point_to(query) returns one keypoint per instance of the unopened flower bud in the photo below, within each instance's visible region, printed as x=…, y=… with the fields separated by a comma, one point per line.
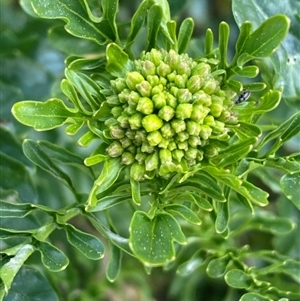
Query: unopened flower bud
x=137, y=171
x=163, y=143
x=144, y=88
x=153, y=81
x=135, y=121
x=194, y=141
x=152, y=123
x=182, y=136
x=178, y=125
x=117, y=132
x=152, y=161
x=180, y=81
x=116, y=111
x=210, y=85
x=172, y=146
x=209, y=120
x=159, y=100
x=148, y=68
x=191, y=153
x=194, y=83
x=124, y=96
x=140, y=157
x=126, y=142
x=201, y=98
x=172, y=59
x=165, y=155
x=205, y=131
x=145, y=105
x=178, y=154
x=199, y=113
x=140, y=136
x=146, y=147
x=184, y=96
x=202, y=69
x=183, y=145
x=127, y=158
x=154, y=138
x=163, y=69
x=133, y=99
x=184, y=68
x=133, y=78
x=115, y=149
x=123, y=121
x=167, y=131
x=113, y=100
x=119, y=83
x=171, y=100
x=193, y=128
x=184, y=111
x=156, y=56
x=216, y=109
x=166, y=113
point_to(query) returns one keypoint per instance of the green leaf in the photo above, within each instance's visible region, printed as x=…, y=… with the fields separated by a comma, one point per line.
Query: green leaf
x=238, y=279
x=209, y=41
x=11, y=268
x=118, y=62
x=9, y=209
x=247, y=130
x=110, y=173
x=253, y=297
x=222, y=220
x=43, y=116
x=37, y=289
x=135, y=191
x=89, y=245
x=290, y=185
x=114, y=264
x=154, y=18
x=14, y=175
x=217, y=267
x=52, y=258
x=292, y=268
x=184, y=212
x=202, y=203
x=151, y=240
x=224, y=31
x=267, y=37
x=185, y=34
x=35, y=153
x=78, y=21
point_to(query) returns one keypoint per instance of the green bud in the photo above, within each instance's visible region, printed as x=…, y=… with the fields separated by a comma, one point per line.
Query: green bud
x=205, y=131
x=145, y=105
x=115, y=149
x=180, y=81
x=184, y=110
x=159, y=100
x=137, y=171
x=191, y=153
x=131, y=149
x=194, y=83
x=140, y=157
x=133, y=99
x=127, y=158
x=171, y=77
x=165, y=155
x=113, y=100
x=135, y=121
x=154, y=138
x=228, y=117
x=116, y=111
x=183, y=145
x=218, y=127
x=193, y=128
x=166, y=113
x=152, y=161
x=217, y=99
x=200, y=155
x=211, y=151
x=152, y=123
x=178, y=154
x=144, y=88
x=194, y=141
x=153, y=81
x=171, y=100
x=174, y=91
x=163, y=143
x=140, y=137
x=182, y=136
x=156, y=56
x=201, y=98
x=199, y=113
x=167, y=131
x=163, y=81
x=117, y=132
x=216, y=109
x=123, y=121
x=133, y=78
x=210, y=86
x=126, y=142
x=201, y=69
x=157, y=89
x=130, y=134
x=172, y=146
x=178, y=125
x=124, y=96
x=110, y=122
x=147, y=148
x=184, y=68
x=129, y=111
x=163, y=69
x=119, y=83
x=168, y=168
x=148, y=68
x=172, y=59
x=209, y=120
x=184, y=96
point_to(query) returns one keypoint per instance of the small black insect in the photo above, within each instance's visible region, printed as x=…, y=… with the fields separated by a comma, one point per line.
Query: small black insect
x=243, y=96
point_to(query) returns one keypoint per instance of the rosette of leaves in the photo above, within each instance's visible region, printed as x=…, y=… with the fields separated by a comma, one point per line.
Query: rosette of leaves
x=171, y=140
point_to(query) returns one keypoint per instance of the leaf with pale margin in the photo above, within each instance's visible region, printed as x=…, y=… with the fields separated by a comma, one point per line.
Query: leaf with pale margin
x=89, y=245
x=290, y=185
x=37, y=289
x=286, y=60
x=152, y=240
x=114, y=264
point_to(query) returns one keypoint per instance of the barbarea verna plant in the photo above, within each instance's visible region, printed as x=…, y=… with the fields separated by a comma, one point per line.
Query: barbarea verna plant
x=179, y=162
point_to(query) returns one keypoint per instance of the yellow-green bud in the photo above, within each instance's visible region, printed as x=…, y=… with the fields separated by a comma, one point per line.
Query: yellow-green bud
x=156, y=56
x=210, y=86
x=115, y=149
x=202, y=69
x=119, y=83
x=137, y=171
x=163, y=69
x=201, y=98
x=135, y=121
x=167, y=131
x=166, y=113
x=194, y=83
x=123, y=121
x=193, y=128
x=183, y=145
x=145, y=105
x=165, y=155
x=153, y=81
x=199, y=113
x=184, y=110
x=205, y=131
x=133, y=78
x=180, y=81
x=184, y=96
x=117, y=132
x=172, y=59
x=171, y=100
x=152, y=161
x=159, y=100
x=194, y=141
x=178, y=125
x=133, y=99
x=147, y=148
x=172, y=145
x=163, y=143
x=216, y=109
x=144, y=88
x=191, y=153
x=209, y=120
x=140, y=157
x=177, y=154
x=148, y=68
x=182, y=136
x=116, y=111
x=154, y=138
x=152, y=123
x=113, y=100
x=127, y=158
x=140, y=137
x=126, y=142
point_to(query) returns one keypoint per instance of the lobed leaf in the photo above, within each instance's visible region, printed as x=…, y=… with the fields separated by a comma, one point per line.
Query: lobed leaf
x=151, y=240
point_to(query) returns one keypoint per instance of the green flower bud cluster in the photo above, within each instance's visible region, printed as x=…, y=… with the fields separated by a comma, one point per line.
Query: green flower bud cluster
x=166, y=113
